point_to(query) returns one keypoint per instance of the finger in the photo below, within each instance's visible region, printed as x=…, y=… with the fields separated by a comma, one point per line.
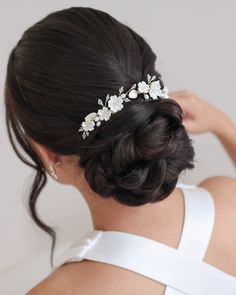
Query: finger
x=183, y=102
x=184, y=95
x=189, y=125
x=181, y=93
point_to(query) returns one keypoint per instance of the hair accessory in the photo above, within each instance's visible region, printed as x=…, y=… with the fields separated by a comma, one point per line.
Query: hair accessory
x=151, y=89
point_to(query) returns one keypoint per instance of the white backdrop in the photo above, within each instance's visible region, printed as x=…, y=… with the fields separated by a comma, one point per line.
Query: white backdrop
x=195, y=42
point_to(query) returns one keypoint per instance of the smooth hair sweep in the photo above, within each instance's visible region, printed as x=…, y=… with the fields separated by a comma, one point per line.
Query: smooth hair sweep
x=55, y=74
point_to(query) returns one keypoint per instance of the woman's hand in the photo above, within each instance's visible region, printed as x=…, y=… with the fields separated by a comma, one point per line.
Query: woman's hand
x=199, y=115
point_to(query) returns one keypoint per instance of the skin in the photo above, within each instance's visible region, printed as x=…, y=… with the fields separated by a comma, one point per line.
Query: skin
x=161, y=221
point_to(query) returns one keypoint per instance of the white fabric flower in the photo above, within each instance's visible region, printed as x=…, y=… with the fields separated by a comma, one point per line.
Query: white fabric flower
x=104, y=114
x=88, y=125
x=133, y=93
x=115, y=103
x=155, y=89
x=165, y=92
x=143, y=87
x=90, y=117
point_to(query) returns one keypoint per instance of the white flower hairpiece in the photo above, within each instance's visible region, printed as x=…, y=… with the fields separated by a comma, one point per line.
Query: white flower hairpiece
x=152, y=89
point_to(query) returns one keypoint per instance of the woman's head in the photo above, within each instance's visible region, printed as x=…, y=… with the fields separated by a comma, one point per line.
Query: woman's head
x=55, y=75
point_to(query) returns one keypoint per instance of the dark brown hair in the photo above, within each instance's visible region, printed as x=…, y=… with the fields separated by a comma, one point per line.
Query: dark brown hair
x=55, y=74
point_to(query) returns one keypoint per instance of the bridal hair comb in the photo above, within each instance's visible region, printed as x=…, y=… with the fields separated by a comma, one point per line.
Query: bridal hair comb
x=150, y=90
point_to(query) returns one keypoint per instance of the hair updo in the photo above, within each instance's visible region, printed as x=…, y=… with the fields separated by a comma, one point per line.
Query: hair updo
x=55, y=74
x=137, y=155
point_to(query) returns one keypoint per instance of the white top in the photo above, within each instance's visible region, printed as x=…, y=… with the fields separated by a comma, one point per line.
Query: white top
x=182, y=270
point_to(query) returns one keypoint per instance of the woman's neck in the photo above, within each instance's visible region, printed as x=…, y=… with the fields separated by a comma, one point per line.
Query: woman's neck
x=109, y=214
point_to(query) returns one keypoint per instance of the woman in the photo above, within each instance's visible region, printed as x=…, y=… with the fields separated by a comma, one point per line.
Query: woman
x=84, y=101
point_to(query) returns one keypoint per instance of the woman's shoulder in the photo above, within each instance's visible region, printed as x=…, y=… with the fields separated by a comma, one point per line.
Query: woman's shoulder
x=62, y=281
x=223, y=192
x=219, y=185
x=221, y=250
x=93, y=278
x=55, y=283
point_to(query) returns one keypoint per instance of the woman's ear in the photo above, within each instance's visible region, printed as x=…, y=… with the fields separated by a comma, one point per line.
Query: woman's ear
x=46, y=155
x=67, y=173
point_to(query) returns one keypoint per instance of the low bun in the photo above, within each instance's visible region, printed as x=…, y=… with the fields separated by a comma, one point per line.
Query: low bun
x=137, y=156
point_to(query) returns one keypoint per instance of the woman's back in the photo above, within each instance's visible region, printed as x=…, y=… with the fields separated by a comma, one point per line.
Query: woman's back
x=93, y=277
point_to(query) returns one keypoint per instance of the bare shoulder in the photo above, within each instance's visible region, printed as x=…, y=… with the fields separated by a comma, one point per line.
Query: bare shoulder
x=221, y=252
x=55, y=284
x=74, y=278
x=223, y=191
x=221, y=184
x=95, y=278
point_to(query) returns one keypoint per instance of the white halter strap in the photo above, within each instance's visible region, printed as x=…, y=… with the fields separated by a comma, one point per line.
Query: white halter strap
x=161, y=263
x=198, y=225
x=182, y=269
